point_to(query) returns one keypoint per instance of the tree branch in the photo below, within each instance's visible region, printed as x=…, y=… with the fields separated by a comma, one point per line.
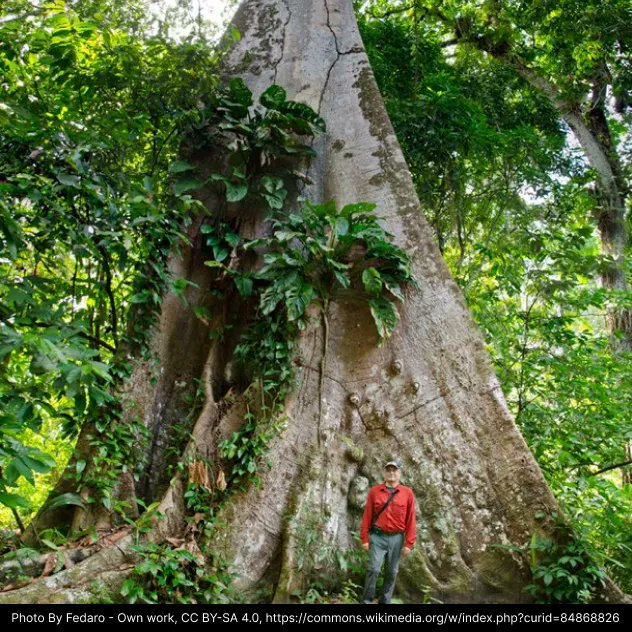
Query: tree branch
x=596, y=153
x=381, y=16
x=81, y=334
x=450, y=42
x=611, y=467
x=97, y=341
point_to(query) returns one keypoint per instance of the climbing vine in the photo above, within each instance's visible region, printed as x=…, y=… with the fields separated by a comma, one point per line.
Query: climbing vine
x=309, y=254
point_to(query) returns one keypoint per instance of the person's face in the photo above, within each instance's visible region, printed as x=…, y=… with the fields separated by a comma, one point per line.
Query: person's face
x=391, y=476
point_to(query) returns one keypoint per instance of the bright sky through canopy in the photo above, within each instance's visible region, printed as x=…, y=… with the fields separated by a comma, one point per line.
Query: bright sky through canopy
x=215, y=9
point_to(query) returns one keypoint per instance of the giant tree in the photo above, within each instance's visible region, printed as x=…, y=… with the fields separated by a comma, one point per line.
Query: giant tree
x=300, y=369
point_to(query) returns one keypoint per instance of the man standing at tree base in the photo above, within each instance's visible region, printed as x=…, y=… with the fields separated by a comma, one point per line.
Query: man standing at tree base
x=388, y=524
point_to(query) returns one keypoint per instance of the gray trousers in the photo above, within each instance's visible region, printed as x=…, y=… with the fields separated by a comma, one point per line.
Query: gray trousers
x=380, y=547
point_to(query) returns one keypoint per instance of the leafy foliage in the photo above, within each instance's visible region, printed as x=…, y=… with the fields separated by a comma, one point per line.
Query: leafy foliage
x=563, y=567
x=252, y=141
x=563, y=574
x=91, y=117
x=175, y=575
x=328, y=574
x=314, y=254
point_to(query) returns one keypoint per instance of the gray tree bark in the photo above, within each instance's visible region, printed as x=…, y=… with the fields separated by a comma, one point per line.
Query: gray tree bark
x=427, y=397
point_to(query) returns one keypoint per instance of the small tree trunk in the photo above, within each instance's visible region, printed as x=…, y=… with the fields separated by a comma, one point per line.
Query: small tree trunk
x=611, y=214
x=593, y=134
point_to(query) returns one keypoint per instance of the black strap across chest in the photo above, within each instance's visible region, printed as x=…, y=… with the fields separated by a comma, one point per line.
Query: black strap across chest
x=386, y=504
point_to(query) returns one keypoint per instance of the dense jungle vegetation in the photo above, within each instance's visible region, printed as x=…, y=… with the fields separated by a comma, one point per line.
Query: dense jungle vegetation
x=512, y=117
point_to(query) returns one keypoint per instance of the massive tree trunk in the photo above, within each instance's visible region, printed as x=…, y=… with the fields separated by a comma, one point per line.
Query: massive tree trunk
x=427, y=397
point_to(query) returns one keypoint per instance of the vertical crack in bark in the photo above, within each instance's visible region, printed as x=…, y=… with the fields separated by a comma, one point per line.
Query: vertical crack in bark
x=322, y=94
x=332, y=31
x=287, y=21
x=339, y=53
x=354, y=49
x=323, y=368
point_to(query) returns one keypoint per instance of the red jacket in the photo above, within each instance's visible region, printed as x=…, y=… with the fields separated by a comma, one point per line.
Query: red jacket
x=398, y=516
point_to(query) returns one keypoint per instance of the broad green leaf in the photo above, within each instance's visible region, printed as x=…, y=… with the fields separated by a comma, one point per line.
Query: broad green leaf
x=297, y=301
x=392, y=286
x=240, y=92
x=49, y=543
x=41, y=363
x=384, y=315
x=341, y=226
x=64, y=500
x=186, y=185
x=235, y=33
x=220, y=253
x=372, y=281
x=102, y=370
x=40, y=463
x=285, y=235
x=342, y=278
x=356, y=209
x=273, y=98
x=272, y=185
x=26, y=413
x=274, y=201
x=17, y=468
x=270, y=299
x=178, y=166
x=244, y=285
x=13, y=501
x=232, y=239
x=69, y=180
x=235, y=192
